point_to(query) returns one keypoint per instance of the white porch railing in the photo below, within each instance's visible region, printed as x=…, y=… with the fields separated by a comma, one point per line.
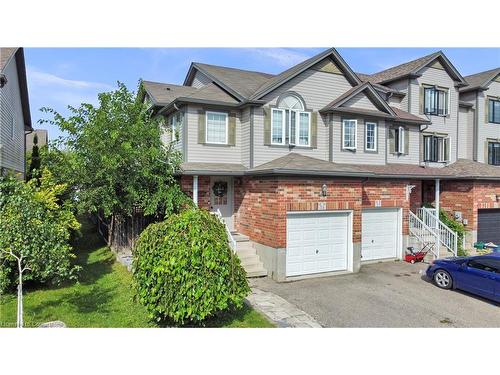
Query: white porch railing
x=231, y=240
x=444, y=235
x=423, y=233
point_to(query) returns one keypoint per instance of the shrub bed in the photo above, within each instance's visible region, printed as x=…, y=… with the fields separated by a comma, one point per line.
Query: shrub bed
x=184, y=270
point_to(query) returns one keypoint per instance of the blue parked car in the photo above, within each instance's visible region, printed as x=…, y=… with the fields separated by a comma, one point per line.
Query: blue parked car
x=477, y=274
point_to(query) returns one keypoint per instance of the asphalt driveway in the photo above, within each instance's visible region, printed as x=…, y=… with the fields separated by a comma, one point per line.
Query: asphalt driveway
x=391, y=294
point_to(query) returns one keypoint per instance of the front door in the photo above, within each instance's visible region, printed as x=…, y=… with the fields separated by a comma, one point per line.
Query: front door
x=221, y=198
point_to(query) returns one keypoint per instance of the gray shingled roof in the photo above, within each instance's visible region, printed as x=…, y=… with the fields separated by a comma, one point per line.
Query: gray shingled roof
x=298, y=164
x=164, y=93
x=402, y=70
x=366, y=78
x=212, y=168
x=480, y=80
x=243, y=82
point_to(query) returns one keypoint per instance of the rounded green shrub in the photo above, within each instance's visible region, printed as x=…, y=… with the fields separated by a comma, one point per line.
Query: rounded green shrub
x=185, y=271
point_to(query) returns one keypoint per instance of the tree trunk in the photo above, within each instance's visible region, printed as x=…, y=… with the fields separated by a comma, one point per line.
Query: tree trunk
x=20, y=297
x=111, y=230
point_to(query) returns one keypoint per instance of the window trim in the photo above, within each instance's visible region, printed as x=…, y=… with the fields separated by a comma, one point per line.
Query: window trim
x=355, y=134
x=433, y=138
x=206, y=128
x=436, y=103
x=489, y=156
x=399, y=146
x=375, y=136
x=491, y=114
x=285, y=127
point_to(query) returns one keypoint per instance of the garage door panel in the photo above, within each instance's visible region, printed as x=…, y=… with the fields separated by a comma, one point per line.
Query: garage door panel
x=316, y=242
x=488, y=226
x=380, y=234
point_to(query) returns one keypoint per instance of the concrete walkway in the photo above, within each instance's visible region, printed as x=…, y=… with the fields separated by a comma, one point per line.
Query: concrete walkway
x=280, y=311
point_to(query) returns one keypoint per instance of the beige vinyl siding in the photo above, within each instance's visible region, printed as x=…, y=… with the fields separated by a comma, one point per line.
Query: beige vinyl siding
x=200, y=80
x=360, y=101
x=395, y=101
x=245, y=137
x=12, y=148
x=465, y=131
x=360, y=156
x=166, y=135
x=485, y=129
x=210, y=153
x=413, y=156
x=317, y=89
x=442, y=125
x=402, y=86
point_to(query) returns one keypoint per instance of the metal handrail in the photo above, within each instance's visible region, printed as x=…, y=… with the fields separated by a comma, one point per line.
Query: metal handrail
x=422, y=231
x=443, y=233
x=231, y=240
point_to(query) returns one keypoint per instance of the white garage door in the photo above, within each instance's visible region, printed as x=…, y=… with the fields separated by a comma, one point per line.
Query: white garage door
x=317, y=242
x=379, y=232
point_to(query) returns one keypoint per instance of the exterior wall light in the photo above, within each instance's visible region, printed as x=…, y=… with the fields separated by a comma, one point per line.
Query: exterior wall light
x=324, y=190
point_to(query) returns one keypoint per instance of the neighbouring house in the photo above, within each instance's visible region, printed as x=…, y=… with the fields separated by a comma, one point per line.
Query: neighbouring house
x=318, y=170
x=42, y=137
x=15, y=118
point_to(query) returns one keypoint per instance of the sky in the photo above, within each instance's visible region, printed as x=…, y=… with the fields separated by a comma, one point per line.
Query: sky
x=58, y=77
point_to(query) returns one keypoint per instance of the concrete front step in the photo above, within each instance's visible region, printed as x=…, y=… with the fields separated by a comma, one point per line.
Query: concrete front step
x=250, y=261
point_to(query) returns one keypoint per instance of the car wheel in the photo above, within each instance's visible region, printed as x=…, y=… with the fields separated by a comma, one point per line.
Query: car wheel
x=443, y=279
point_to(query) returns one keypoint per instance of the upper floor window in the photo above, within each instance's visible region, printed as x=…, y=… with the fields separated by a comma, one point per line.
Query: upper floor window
x=175, y=122
x=436, y=149
x=494, y=111
x=494, y=153
x=290, y=123
x=399, y=140
x=349, y=130
x=217, y=128
x=371, y=136
x=436, y=101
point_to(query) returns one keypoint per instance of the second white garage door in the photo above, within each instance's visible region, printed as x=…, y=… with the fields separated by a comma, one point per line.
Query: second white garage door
x=317, y=242
x=380, y=233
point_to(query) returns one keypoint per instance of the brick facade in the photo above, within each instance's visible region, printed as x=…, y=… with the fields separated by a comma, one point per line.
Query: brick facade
x=203, y=189
x=466, y=196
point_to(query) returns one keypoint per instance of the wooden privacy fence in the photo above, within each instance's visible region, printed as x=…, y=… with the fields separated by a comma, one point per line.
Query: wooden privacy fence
x=121, y=232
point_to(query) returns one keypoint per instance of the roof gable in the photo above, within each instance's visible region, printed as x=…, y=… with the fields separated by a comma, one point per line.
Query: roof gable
x=412, y=68
x=481, y=81
x=359, y=95
x=294, y=71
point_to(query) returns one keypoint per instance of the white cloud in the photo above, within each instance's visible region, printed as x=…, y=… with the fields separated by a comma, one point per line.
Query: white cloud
x=40, y=78
x=281, y=56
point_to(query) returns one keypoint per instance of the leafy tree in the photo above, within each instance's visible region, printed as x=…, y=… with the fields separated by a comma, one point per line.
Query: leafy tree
x=34, y=233
x=119, y=162
x=35, y=159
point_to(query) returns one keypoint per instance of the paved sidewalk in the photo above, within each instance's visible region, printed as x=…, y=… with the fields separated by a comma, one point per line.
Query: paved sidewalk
x=280, y=311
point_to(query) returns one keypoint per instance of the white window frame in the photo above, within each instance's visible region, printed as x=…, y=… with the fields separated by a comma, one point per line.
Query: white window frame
x=344, y=147
x=285, y=127
x=446, y=109
x=375, y=135
x=206, y=127
x=442, y=156
x=400, y=145
x=173, y=127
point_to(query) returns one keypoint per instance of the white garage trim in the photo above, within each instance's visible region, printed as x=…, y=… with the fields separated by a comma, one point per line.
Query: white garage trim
x=391, y=241
x=328, y=264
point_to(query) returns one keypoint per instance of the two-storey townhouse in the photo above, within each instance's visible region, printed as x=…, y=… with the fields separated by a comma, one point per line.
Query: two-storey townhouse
x=15, y=118
x=315, y=169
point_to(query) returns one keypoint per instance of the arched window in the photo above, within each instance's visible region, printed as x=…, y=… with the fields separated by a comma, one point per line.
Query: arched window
x=290, y=123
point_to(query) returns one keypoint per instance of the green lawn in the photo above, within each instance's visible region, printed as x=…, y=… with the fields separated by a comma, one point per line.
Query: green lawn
x=102, y=297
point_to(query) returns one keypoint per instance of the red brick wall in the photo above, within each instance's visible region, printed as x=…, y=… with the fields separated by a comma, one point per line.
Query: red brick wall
x=466, y=197
x=203, y=189
x=261, y=204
